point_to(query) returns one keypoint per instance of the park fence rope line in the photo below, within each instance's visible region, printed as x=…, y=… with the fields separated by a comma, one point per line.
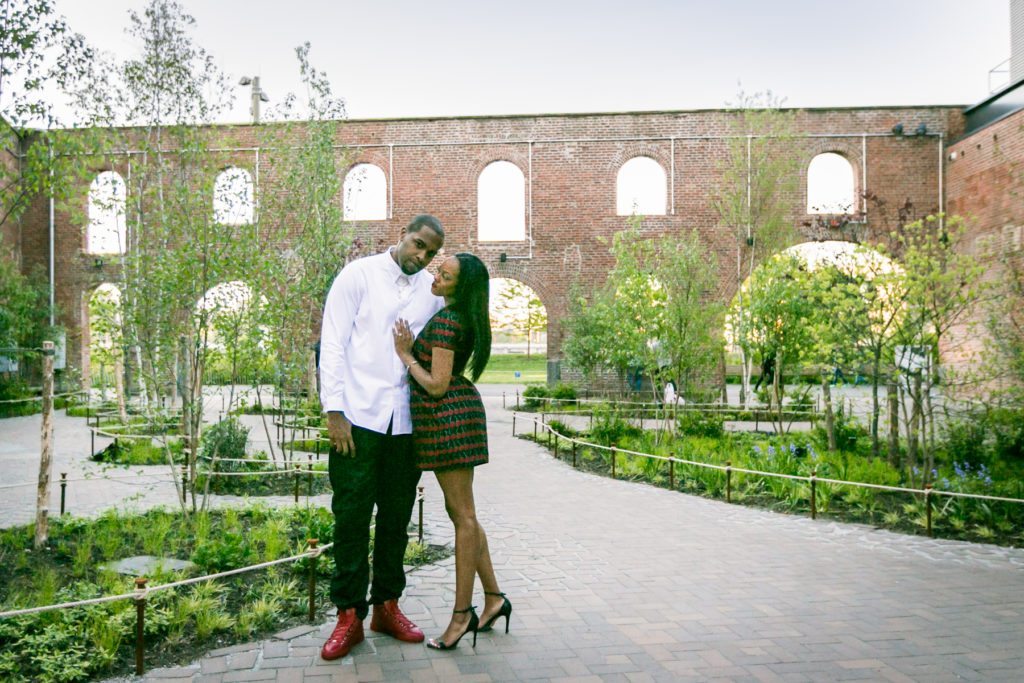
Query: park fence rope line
x=812, y=480
x=142, y=591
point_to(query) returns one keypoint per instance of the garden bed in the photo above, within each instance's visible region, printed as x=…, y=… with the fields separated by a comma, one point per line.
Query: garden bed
x=799, y=455
x=79, y=644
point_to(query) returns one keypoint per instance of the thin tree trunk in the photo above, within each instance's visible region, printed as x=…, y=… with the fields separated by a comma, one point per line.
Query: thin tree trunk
x=122, y=407
x=915, y=423
x=929, y=433
x=723, y=374
x=46, y=451
x=830, y=418
x=894, y=424
x=777, y=391
x=876, y=447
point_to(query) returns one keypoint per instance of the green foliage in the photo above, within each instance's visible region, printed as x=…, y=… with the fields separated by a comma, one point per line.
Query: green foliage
x=611, y=427
x=224, y=439
x=519, y=311
x=849, y=434
x=654, y=312
x=695, y=423
x=533, y=395
x=97, y=641
x=800, y=454
x=24, y=307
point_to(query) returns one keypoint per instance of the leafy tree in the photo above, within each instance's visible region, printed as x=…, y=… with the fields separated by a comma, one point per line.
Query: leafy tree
x=305, y=208
x=24, y=308
x=778, y=319
x=175, y=250
x=656, y=311
x=38, y=52
x=106, y=341
x=589, y=329
x=518, y=309
x=944, y=288
x=758, y=175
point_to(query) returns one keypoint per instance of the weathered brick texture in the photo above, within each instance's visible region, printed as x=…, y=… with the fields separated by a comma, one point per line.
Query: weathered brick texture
x=570, y=163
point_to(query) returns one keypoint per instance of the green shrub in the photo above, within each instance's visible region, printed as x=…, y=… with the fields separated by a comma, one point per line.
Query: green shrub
x=695, y=423
x=225, y=439
x=966, y=440
x=1007, y=426
x=566, y=393
x=532, y=396
x=139, y=452
x=610, y=427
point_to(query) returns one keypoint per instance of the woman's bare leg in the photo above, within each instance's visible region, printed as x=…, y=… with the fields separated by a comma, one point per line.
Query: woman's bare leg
x=484, y=568
x=457, y=486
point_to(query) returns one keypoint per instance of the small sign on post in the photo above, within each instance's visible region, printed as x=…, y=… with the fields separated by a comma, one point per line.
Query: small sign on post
x=518, y=374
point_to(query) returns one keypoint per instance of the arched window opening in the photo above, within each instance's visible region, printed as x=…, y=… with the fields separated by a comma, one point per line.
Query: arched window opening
x=641, y=188
x=233, y=202
x=519, y=320
x=830, y=186
x=108, y=198
x=501, y=203
x=365, y=194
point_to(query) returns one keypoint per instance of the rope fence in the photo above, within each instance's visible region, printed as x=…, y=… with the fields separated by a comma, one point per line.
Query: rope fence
x=812, y=480
x=142, y=592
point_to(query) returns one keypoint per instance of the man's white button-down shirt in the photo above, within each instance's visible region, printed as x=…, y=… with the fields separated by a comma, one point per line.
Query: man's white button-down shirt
x=360, y=373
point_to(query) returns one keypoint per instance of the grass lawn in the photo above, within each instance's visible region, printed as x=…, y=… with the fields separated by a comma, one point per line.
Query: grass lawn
x=502, y=369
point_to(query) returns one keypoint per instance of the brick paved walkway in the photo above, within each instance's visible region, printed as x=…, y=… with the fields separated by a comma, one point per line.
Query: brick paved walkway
x=613, y=581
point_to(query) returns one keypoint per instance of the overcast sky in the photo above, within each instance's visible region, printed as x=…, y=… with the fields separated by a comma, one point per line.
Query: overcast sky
x=398, y=58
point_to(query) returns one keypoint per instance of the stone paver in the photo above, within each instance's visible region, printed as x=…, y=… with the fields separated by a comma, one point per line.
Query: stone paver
x=615, y=581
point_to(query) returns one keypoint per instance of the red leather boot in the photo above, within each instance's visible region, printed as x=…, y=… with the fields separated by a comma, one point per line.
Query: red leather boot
x=347, y=634
x=387, y=618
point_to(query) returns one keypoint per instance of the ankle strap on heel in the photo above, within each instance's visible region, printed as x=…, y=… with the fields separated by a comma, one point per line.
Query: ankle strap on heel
x=471, y=608
x=500, y=595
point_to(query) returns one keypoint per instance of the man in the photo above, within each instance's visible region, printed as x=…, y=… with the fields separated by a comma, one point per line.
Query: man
x=365, y=392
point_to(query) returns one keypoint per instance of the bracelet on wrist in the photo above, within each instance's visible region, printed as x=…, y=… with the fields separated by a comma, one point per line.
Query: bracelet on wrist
x=409, y=366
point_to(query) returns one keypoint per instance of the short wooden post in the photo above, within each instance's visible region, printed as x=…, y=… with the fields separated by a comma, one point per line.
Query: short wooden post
x=513, y=424
x=928, y=507
x=419, y=499
x=140, y=625
x=184, y=484
x=574, y=453
x=728, y=481
x=309, y=475
x=63, y=489
x=672, y=471
x=503, y=399
x=312, y=578
x=814, y=493
x=298, y=472
x=613, y=461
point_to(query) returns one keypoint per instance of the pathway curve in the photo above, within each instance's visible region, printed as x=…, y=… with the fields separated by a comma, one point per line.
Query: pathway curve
x=617, y=581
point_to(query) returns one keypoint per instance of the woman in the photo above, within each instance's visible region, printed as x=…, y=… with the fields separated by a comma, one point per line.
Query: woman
x=450, y=428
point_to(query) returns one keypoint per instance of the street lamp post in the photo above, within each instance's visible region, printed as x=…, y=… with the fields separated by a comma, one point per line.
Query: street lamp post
x=257, y=96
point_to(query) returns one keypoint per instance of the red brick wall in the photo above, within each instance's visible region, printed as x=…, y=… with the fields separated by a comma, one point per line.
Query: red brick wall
x=985, y=185
x=573, y=160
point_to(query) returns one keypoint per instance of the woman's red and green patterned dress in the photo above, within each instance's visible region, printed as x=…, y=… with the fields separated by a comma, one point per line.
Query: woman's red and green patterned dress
x=450, y=431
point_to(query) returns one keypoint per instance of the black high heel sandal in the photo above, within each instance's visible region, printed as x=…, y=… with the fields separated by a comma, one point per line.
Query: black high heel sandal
x=504, y=611
x=474, y=626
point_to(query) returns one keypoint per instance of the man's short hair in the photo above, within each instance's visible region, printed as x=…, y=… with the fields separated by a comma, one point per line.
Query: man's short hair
x=425, y=220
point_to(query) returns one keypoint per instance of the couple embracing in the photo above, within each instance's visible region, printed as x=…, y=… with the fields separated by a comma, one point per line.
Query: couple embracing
x=395, y=349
